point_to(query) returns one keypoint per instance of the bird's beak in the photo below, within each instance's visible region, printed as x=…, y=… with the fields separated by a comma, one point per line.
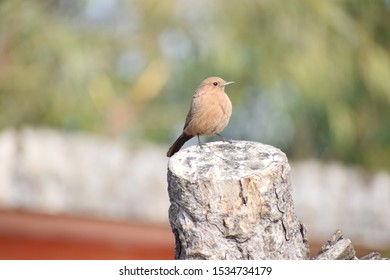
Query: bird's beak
x=228, y=83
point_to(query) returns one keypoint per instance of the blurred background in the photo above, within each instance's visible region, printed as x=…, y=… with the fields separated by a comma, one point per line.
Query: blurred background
x=93, y=92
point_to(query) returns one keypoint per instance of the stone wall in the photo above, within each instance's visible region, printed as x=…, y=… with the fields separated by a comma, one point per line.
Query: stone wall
x=56, y=172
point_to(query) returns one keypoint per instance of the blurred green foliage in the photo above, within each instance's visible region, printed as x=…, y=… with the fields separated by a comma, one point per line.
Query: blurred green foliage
x=312, y=77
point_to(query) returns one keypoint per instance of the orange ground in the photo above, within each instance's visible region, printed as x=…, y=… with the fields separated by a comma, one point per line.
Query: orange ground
x=25, y=235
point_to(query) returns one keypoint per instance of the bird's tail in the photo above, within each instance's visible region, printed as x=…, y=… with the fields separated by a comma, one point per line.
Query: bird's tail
x=178, y=144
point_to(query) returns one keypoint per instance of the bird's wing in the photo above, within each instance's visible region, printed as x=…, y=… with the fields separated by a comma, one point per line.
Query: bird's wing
x=193, y=107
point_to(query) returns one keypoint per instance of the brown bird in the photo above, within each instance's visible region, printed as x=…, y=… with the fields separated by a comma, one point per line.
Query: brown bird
x=209, y=112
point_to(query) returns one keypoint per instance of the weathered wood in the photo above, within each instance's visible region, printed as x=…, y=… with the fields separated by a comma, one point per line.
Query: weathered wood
x=233, y=201
x=339, y=247
x=373, y=256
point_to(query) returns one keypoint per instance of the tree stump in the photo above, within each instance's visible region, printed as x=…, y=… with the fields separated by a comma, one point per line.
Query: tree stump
x=233, y=201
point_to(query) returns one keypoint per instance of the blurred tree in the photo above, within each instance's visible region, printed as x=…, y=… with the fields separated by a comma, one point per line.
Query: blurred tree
x=45, y=65
x=312, y=77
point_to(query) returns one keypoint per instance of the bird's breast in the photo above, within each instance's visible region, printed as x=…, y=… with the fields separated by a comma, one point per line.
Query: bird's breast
x=210, y=114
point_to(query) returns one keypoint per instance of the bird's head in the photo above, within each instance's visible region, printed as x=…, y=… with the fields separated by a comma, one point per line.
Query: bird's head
x=214, y=84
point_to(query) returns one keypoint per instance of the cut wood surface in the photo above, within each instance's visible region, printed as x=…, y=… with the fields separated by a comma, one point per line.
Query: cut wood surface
x=233, y=201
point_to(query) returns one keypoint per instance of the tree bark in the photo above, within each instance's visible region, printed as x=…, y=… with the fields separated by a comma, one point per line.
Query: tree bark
x=233, y=201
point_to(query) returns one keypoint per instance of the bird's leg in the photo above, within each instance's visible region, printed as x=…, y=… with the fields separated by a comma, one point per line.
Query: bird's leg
x=199, y=143
x=224, y=139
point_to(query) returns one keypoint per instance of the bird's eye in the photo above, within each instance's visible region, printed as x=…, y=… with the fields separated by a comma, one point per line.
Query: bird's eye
x=215, y=84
